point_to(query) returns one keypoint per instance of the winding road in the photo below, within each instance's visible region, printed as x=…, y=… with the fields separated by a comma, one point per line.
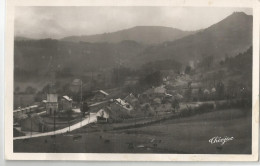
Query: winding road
x=89, y=119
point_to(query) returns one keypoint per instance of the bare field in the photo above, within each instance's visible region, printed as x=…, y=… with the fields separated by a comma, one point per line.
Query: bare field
x=186, y=135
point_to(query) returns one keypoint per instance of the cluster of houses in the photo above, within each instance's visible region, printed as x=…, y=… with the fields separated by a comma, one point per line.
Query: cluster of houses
x=153, y=101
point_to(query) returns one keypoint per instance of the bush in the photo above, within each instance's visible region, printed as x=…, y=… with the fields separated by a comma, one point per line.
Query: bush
x=206, y=107
x=242, y=103
x=203, y=108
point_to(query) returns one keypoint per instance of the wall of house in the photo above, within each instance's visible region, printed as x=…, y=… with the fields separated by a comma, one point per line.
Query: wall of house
x=65, y=104
x=115, y=106
x=51, y=107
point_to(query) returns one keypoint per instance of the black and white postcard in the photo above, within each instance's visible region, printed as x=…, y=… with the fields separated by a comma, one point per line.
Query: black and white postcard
x=132, y=80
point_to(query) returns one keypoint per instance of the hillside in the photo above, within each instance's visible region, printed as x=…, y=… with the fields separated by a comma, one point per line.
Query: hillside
x=39, y=57
x=142, y=34
x=36, y=57
x=227, y=37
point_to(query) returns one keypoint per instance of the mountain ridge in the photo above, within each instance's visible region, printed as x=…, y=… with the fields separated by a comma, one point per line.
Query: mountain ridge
x=230, y=36
x=142, y=34
x=227, y=37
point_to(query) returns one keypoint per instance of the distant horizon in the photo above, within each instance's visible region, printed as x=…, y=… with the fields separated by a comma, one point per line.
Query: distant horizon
x=110, y=32
x=57, y=27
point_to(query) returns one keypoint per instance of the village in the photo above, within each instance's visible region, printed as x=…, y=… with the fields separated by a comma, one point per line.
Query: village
x=177, y=94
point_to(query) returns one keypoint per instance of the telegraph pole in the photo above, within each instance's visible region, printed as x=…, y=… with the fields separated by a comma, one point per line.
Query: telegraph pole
x=81, y=104
x=31, y=126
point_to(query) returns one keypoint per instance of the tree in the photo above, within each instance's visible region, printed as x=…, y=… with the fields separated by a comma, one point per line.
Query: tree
x=30, y=90
x=85, y=108
x=220, y=89
x=200, y=94
x=207, y=61
x=232, y=89
x=153, y=79
x=188, y=93
x=146, y=109
x=175, y=105
x=187, y=69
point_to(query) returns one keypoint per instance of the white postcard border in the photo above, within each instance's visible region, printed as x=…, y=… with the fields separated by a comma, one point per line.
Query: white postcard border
x=9, y=38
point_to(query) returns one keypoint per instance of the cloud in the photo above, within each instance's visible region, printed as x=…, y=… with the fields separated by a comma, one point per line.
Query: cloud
x=58, y=22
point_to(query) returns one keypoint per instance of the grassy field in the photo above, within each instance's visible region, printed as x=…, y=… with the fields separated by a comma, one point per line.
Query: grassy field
x=187, y=135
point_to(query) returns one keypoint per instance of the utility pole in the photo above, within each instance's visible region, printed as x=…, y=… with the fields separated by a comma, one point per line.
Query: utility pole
x=81, y=104
x=54, y=128
x=80, y=90
x=54, y=121
x=31, y=126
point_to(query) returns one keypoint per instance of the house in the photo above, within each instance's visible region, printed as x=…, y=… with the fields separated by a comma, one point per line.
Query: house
x=66, y=103
x=52, y=104
x=25, y=110
x=206, y=92
x=157, y=101
x=119, y=104
x=160, y=90
x=102, y=115
x=213, y=90
x=33, y=123
x=100, y=95
x=167, y=95
x=131, y=99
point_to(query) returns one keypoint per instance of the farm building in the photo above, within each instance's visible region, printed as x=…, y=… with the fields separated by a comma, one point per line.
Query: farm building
x=25, y=110
x=102, y=115
x=66, y=103
x=119, y=104
x=52, y=104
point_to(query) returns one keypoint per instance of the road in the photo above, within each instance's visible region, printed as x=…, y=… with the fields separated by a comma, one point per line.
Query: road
x=89, y=119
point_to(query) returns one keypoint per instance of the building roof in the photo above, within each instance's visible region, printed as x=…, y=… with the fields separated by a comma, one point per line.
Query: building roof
x=67, y=98
x=213, y=90
x=123, y=104
x=102, y=113
x=103, y=92
x=206, y=91
x=159, y=89
x=168, y=95
x=157, y=100
x=25, y=108
x=130, y=98
x=76, y=82
x=120, y=101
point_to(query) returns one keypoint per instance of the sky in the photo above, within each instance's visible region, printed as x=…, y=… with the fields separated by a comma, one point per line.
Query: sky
x=59, y=22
